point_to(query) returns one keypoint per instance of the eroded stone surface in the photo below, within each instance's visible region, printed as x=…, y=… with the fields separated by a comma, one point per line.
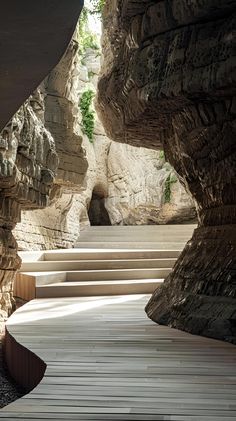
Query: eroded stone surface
x=168, y=79
x=58, y=224
x=139, y=191
x=28, y=165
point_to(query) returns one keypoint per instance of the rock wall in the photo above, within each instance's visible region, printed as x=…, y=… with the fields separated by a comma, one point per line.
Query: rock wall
x=129, y=183
x=58, y=224
x=28, y=165
x=143, y=189
x=168, y=81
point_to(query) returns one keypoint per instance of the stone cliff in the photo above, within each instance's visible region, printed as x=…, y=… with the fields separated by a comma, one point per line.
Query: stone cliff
x=168, y=82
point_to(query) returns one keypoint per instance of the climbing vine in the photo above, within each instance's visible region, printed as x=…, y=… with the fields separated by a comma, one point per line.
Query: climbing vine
x=88, y=114
x=171, y=179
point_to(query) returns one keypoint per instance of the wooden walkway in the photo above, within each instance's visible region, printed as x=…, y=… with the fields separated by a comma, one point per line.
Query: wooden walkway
x=107, y=361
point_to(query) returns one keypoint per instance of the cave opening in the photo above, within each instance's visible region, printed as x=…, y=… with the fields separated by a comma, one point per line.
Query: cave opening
x=97, y=212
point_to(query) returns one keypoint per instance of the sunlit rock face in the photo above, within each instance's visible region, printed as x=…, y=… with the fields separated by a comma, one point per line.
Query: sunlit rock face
x=168, y=81
x=58, y=224
x=143, y=189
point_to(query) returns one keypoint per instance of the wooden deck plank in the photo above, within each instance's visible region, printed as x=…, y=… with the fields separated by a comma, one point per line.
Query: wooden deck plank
x=107, y=361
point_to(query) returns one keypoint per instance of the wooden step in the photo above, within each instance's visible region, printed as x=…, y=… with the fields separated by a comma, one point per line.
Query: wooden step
x=132, y=245
x=108, y=260
x=146, y=228
x=167, y=237
x=116, y=274
x=44, y=278
x=25, y=282
x=80, y=289
x=109, y=254
x=140, y=234
x=67, y=265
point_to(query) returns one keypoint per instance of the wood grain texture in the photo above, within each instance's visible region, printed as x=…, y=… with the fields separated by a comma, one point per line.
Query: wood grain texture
x=107, y=361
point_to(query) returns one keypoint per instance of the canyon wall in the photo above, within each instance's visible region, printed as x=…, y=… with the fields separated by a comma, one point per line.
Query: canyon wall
x=98, y=180
x=168, y=81
x=28, y=165
x=56, y=226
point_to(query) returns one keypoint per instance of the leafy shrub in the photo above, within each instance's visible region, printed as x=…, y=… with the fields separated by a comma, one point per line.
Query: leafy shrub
x=88, y=114
x=87, y=39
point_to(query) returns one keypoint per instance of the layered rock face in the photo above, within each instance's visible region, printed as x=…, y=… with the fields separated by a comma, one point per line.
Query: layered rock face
x=58, y=224
x=168, y=80
x=143, y=189
x=28, y=165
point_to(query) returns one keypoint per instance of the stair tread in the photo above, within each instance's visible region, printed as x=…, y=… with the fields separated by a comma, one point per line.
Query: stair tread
x=92, y=271
x=121, y=260
x=42, y=262
x=109, y=282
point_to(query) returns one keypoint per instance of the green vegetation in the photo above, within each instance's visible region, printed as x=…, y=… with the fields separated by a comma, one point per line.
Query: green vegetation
x=97, y=7
x=162, y=155
x=88, y=114
x=171, y=179
x=87, y=39
x=91, y=74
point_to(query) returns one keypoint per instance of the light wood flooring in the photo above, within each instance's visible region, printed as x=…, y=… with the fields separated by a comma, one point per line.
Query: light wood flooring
x=107, y=361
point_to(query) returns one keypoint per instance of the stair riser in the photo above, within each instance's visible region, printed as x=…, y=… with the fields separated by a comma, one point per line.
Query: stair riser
x=167, y=237
x=130, y=245
x=98, y=290
x=93, y=265
x=117, y=275
x=112, y=255
x=108, y=261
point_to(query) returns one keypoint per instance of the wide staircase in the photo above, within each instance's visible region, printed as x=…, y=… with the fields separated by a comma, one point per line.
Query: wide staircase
x=106, y=261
